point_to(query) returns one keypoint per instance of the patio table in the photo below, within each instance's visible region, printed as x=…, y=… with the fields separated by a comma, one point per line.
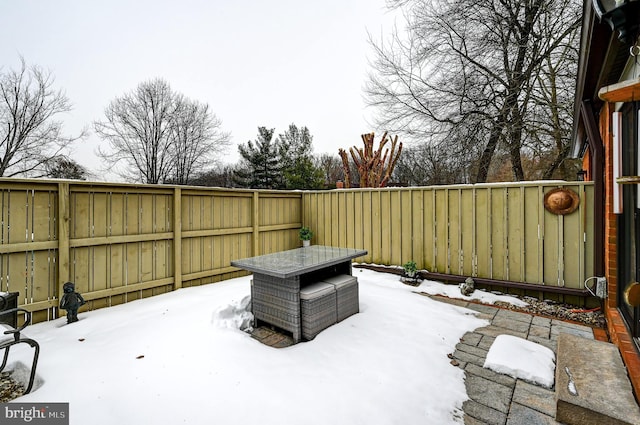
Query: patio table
x=278, y=278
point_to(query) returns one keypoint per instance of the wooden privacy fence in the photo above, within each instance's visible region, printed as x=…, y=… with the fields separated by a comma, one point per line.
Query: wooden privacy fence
x=122, y=242
x=496, y=231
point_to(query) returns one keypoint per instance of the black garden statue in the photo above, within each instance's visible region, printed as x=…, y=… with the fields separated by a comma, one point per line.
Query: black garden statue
x=71, y=301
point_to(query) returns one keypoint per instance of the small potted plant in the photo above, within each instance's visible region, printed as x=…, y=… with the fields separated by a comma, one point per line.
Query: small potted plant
x=410, y=269
x=305, y=236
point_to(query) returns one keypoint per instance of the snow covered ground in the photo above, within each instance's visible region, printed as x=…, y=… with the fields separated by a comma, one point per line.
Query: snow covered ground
x=522, y=359
x=180, y=358
x=453, y=291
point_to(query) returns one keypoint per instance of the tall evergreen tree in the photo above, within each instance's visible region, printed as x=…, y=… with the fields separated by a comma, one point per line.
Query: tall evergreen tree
x=261, y=168
x=296, y=154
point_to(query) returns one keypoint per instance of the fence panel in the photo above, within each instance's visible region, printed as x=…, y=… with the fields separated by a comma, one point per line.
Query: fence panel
x=27, y=242
x=280, y=217
x=117, y=241
x=497, y=231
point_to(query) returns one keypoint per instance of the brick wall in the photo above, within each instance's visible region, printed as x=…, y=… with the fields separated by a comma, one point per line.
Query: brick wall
x=610, y=219
x=618, y=332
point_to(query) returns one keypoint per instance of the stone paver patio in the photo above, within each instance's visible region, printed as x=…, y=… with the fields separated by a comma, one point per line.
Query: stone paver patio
x=497, y=399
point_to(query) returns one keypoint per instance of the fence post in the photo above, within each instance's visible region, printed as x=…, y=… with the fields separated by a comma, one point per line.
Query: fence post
x=177, y=238
x=63, y=235
x=256, y=223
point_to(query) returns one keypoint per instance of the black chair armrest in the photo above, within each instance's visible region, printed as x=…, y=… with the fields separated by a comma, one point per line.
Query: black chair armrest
x=27, y=319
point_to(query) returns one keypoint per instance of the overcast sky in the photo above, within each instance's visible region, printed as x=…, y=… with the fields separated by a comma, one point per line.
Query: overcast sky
x=256, y=63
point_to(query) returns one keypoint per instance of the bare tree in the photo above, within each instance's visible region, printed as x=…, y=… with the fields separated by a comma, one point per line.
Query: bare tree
x=196, y=137
x=138, y=128
x=374, y=166
x=30, y=137
x=157, y=135
x=465, y=72
x=550, y=121
x=428, y=164
x=219, y=176
x=63, y=167
x=331, y=166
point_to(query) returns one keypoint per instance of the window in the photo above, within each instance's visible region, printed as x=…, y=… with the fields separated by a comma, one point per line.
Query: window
x=629, y=220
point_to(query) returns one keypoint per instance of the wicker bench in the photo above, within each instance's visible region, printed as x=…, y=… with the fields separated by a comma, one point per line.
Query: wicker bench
x=347, y=300
x=318, y=308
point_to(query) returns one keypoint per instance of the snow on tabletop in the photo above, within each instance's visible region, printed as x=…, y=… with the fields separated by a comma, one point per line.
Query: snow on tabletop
x=180, y=358
x=522, y=359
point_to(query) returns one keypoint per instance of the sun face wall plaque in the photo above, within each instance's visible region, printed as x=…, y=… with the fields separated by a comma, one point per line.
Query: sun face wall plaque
x=561, y=201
